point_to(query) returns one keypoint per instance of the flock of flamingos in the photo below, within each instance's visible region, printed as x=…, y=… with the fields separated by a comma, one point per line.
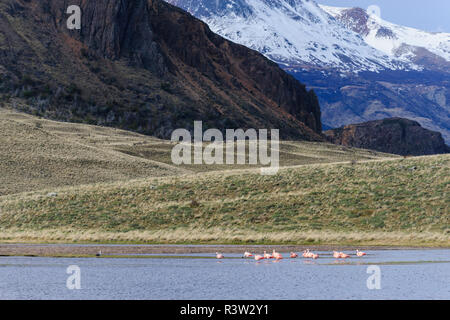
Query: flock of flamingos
x=306, y=254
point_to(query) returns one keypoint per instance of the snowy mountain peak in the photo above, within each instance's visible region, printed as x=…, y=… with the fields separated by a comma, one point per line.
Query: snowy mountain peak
x=292, y=32
x=406, y=43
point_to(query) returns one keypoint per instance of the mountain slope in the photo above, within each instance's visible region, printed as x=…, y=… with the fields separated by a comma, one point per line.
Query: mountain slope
x=354, y=98
x=349, y=62
x=146, y=66
x=292, y=33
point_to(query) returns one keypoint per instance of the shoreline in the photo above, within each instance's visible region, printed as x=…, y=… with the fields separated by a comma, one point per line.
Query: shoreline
x=116, y=250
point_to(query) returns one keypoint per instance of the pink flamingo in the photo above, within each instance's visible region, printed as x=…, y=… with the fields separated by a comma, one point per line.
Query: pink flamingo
x=308, y=254
x=343, y=255
x=259, y=257
x=360, y=253
x=314, y=256
x=336, y=255
x=278, y=256
x=294, y=255
x=219, y=255
x=247, y=254
x=267, y=255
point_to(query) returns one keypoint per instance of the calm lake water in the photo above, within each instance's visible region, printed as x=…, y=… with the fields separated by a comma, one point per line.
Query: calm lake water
x=405, y=274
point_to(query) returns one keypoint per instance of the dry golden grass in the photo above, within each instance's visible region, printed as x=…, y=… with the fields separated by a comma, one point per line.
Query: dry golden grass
x=38, y=154
x=229, y=236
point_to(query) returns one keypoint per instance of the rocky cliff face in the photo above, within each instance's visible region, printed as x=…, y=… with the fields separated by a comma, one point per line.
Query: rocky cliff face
x=393, y=135
x=143, y=65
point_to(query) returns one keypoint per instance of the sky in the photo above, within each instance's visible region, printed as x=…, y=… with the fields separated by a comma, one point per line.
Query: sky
x=429, y=15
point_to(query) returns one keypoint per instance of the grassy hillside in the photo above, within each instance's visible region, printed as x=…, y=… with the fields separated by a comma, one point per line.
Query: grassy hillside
x=397, y=201
x=38, y=154
x=112, y=185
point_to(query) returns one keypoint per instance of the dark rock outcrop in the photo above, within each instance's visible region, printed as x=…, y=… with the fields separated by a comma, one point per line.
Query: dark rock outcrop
x=393, y=135
x=144, y=65
x=356, y=19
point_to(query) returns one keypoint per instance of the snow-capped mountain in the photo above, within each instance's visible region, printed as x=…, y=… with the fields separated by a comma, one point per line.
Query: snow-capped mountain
x=416, y=46
x=361, y=67
x=292, y=33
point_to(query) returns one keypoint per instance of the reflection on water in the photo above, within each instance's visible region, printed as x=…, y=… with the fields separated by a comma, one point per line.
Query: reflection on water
x=405, y=274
